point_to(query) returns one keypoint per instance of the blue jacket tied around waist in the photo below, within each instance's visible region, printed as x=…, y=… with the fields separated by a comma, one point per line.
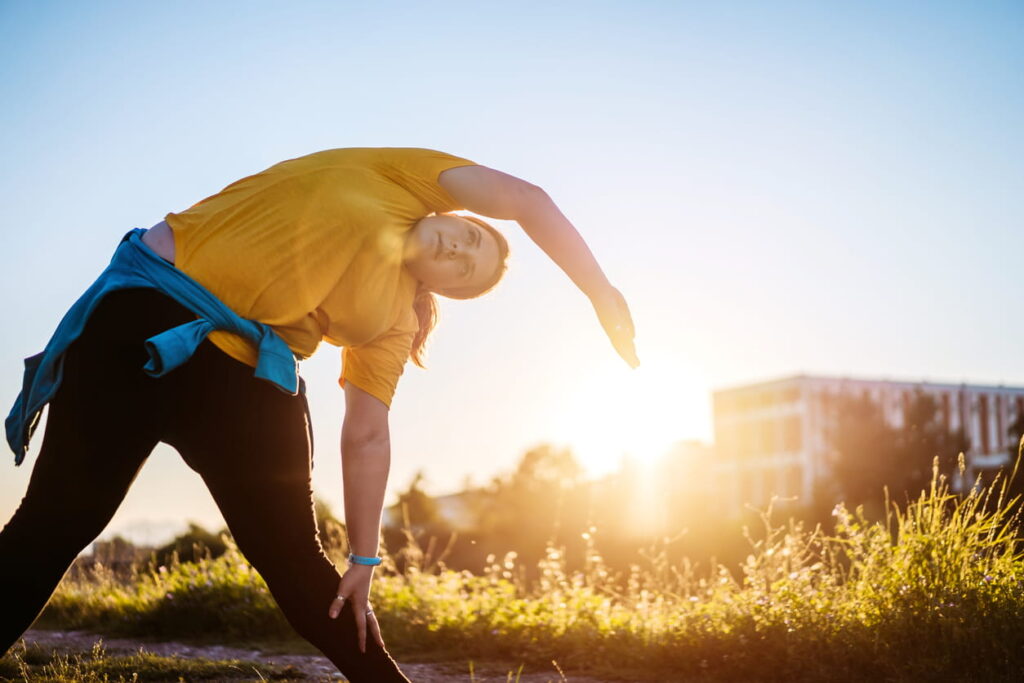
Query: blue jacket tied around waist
x=136, y=265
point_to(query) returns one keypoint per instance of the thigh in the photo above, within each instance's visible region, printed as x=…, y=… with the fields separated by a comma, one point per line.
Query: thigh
x=107, y=410
x=227, y=424
x=100, y=425
x=249, y=442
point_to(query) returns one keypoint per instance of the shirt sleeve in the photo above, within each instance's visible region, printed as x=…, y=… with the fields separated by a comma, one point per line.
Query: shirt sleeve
x=376, y=365
x=417, y=171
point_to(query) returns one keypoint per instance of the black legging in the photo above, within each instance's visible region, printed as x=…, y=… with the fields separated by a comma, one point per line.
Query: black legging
x=248, y=440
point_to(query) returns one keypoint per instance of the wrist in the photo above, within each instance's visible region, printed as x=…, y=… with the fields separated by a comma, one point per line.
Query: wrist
x=363, y=560
x=600, y=291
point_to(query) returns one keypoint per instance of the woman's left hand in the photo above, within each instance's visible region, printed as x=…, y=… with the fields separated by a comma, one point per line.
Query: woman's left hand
x=613, y=312
x=354, y=587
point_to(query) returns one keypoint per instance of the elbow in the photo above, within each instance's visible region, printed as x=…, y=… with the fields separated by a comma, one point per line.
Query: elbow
x=362, y=441
x=529, y=199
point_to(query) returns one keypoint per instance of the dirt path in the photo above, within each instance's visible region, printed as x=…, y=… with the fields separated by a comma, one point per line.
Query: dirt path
x=316, y=667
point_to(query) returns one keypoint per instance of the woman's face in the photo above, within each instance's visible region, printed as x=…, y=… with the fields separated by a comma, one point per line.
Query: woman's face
x=451, y=255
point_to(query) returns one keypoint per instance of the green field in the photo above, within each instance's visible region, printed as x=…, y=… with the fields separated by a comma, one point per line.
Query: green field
x=933, y=592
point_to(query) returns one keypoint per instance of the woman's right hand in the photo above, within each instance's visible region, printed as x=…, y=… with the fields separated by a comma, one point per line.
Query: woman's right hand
x=613, y=312
x=354, y=588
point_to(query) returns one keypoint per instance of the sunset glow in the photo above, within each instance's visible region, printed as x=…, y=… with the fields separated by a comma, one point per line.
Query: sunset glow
x=618, y=412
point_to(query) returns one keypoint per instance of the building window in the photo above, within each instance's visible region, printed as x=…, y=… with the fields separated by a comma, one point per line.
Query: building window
x=983, y=424
x=747, y=442
x=769, y=444
x=792, y=434
x=965, y=413
x=746, y=486
x=723, y=442
x=768, y=486
x=794, y=481
x=1000, y=423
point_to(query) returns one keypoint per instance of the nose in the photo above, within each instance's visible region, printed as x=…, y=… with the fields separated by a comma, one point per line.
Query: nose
x=453, y=249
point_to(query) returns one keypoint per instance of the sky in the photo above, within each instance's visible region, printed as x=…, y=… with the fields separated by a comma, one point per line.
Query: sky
x=776, y=188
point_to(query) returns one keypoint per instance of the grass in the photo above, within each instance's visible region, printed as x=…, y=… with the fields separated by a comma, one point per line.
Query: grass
x=36, y=664
x=933, y=592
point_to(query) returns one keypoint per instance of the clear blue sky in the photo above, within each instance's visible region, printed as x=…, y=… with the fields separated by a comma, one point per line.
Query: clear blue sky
x=776, y=187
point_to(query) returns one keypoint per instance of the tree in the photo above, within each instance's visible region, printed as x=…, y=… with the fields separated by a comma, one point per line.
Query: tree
x=923, y=438
x=422, y=509
x=192, y=545
x=869, y=454
x=863, y=455
x=527, y=505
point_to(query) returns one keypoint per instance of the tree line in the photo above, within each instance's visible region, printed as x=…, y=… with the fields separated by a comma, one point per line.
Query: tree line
x=546, y=500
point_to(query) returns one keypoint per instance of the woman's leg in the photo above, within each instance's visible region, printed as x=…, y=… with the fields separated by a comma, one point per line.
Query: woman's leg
x=250, y=443
x=99, y=431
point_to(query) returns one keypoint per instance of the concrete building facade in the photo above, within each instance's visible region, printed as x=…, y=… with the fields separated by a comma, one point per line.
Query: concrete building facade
x=771, y=439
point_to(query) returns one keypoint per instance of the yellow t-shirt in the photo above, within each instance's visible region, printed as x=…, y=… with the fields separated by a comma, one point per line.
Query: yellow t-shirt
x=312, y=246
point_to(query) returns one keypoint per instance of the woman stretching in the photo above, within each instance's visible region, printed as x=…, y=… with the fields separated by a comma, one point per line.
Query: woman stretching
x=192, y=334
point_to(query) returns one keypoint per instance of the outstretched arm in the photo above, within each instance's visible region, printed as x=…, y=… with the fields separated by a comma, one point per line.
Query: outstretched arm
x=499, y=195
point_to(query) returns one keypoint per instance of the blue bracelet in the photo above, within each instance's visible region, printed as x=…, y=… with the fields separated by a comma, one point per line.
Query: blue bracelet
x=359, y=559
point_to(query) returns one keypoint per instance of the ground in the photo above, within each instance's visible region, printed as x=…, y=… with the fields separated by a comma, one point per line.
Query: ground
x=315, y=667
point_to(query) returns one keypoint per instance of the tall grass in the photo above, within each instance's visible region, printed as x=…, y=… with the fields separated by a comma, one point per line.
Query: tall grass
x=933, y=592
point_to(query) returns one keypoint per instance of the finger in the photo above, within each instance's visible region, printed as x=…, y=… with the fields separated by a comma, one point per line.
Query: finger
x=336, y=604
x=629, y=319
x=623, y=343
x=628, y=353
x=361, y=626
x=375, y=628
x=626, y=316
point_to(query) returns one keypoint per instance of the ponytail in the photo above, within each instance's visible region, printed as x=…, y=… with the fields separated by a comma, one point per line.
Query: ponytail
x=425, y=307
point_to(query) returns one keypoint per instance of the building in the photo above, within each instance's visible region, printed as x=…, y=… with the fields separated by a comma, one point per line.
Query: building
x=770, y=437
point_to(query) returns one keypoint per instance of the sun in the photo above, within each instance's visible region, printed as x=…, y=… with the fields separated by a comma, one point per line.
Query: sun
x=617, y=412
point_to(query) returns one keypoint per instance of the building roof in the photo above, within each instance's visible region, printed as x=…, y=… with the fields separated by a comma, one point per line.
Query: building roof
x=825, y=379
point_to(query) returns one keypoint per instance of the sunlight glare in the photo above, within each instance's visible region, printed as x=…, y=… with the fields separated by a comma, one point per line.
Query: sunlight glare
x=617, y=412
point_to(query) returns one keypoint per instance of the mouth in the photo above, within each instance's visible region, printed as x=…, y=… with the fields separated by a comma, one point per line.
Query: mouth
x=437, y=252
